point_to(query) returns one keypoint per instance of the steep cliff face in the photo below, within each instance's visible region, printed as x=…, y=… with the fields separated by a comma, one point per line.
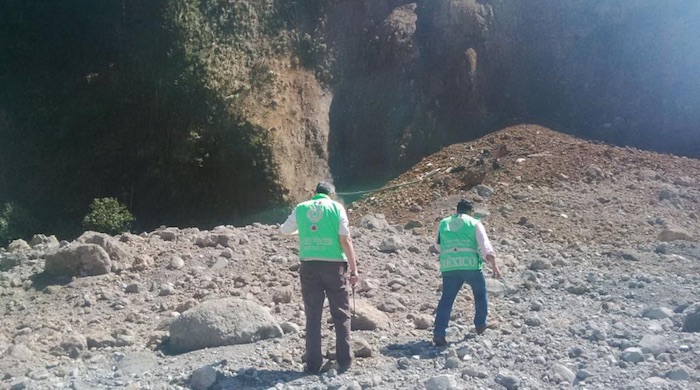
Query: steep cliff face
x=201, y=112
x=430, y=73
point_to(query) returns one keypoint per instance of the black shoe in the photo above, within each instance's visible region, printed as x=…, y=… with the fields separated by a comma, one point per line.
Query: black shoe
x=439, y=341
x=481, y=329
x=311, y=370
x=344, y=368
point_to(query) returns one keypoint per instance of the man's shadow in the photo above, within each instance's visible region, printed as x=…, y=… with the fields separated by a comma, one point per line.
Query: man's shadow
x=258, y=379
x=423, y=349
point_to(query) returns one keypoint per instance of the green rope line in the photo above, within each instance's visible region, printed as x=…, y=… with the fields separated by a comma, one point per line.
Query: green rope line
x=427, y=175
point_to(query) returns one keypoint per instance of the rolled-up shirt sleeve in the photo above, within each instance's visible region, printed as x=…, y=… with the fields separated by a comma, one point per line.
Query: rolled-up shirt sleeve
x=482, y=239
x=344, y=226
x=289, y=226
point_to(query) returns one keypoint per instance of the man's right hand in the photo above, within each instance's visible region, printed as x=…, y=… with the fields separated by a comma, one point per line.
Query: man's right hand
x=496, y=271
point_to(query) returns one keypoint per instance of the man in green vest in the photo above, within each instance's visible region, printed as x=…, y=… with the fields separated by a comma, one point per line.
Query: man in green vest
x=463, y=243
x=328, y=265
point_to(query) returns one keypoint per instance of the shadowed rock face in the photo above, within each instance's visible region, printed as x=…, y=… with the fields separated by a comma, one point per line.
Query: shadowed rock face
x=221, y=113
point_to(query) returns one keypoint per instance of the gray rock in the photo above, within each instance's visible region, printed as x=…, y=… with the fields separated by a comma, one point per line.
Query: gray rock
x=368, y=317
x=653, y=344
x=540, y=264
x=474, y=372
x=563, y=372
x=684, y=181
x=374, y=222
x=168, y=234
x=533, y=320
x=422, y=321
x=391, y=244
x=495, y=288
x=222, y=322
x=19, y=383
x=118, y=253
x=484, y=191
x=204, y=240
x=141, y=262
x=441, y=382
x=78, y=259
x=289, y=327
x=166, y=289
x=678, y=374
x=674, y=234
x=10, y=260
x=508, y=380
x=176, y=262
x=691, y=321
x=452, y=362
x=73, y=344
x=203, y=378
x=226, y=239
x=360, y=347
x=18, y=245
x=658, y=313
x=20, y=352
x=220, y=264
x=583, y=374
x=137, y=363
x=283, y=295
x=43, y=242
x=577, y=289
x=656, y=382
x=633, y=355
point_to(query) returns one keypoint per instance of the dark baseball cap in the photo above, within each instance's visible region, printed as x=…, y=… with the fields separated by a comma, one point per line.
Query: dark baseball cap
x=464, y=205
x=325, y=187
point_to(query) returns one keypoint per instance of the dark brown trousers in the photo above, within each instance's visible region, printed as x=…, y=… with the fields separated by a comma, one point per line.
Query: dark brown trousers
x=319, y=280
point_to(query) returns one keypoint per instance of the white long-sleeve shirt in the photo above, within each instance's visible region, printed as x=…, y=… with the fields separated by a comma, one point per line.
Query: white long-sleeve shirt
x=485, y=247
x=290, y=226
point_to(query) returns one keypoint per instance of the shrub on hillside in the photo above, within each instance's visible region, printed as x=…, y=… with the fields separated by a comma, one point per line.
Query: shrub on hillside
x=15, y=222
x=107, y=215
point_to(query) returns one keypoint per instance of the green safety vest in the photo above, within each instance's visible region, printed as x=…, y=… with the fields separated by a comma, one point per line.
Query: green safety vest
x=318, y=220
x=459, y=250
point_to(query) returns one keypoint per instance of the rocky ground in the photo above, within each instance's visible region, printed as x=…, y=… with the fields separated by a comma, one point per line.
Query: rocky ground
x=601, y=286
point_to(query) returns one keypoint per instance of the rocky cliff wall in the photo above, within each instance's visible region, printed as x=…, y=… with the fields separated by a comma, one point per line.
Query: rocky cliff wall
x=198, y=112
x=429, y=73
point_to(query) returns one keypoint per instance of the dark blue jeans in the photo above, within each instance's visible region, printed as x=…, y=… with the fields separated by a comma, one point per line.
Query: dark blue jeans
x=452, y=282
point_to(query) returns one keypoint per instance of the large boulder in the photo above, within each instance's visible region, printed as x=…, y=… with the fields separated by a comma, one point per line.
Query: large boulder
x=118, y=253
x=44, y=242
x=374, y=222
x=77, y=259
x=368, y=317
x=18, y=246
x=222, y=322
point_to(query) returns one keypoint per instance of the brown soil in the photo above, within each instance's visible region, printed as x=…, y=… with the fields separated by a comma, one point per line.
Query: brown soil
x=538, y=173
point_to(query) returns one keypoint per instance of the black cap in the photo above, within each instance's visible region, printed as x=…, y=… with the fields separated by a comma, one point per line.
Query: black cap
x=464, y=206
x=325, y=187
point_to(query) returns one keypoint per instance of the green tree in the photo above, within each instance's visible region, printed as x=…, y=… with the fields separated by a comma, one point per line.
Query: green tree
x=15, y=222
x=107, y=215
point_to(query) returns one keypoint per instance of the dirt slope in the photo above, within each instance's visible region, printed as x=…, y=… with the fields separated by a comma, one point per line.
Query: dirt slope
x=538, y=173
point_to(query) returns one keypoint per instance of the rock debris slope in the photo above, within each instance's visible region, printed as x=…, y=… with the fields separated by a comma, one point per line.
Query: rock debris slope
x=601, y=288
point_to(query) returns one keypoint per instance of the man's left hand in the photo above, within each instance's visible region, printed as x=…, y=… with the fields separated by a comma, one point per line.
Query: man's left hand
x=353, y=280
